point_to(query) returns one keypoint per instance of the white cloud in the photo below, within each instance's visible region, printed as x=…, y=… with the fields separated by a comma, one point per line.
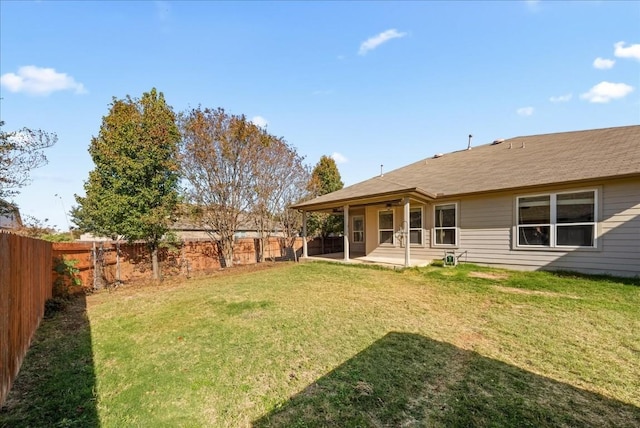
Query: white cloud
x=40, y=81
x=561, y=98
x=525, y=111
x=604, y=92
x=375, y=41
x=339, y=157
x=259, y=121
x=603, y=64
x=631, y=51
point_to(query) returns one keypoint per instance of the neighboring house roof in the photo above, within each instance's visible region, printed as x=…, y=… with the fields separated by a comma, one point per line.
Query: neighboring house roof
x=519, y=162
x=191, y=228
x=9, y=216
x=245, y=224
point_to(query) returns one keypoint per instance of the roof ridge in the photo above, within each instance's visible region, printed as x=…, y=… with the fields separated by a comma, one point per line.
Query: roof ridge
x=537, y=160
x=491, y=144
x=571, y=132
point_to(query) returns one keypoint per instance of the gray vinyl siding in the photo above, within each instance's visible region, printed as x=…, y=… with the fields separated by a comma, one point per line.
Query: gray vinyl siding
x=487, y=231
x=487, y=228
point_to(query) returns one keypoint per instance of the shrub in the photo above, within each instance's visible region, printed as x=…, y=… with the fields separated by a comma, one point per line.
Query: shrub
x=68, y=276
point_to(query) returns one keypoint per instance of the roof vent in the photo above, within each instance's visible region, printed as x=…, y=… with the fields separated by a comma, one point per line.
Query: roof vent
x=498, y=141
x=437, y=155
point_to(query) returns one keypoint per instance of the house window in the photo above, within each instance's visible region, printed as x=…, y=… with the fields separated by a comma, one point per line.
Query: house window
x=385, y=227
x=445, y=228
x=557, y=220
x=358, y=229
x=415, y=226
x=534, y=220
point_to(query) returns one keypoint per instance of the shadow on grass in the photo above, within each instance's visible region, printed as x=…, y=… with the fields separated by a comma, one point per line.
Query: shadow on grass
x=409, y=380
x=56, y=383
x=601, y=278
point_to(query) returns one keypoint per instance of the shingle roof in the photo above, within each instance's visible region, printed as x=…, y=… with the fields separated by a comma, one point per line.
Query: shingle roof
x=245, y=223
x=514, y=163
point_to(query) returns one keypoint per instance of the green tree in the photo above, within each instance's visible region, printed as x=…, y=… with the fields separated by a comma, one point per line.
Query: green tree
x=133, y=189
x=325, y=178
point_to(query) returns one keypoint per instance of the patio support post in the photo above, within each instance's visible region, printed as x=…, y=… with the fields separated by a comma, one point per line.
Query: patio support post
x=407, y=238
x=305, y=252
x=346, y=233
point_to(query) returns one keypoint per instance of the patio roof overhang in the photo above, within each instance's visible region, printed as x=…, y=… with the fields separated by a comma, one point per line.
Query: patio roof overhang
x=323, y=205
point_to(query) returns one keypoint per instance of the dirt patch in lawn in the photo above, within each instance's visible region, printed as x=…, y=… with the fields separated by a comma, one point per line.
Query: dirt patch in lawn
x=489, y=275
x=470, y=340
x=533, y=292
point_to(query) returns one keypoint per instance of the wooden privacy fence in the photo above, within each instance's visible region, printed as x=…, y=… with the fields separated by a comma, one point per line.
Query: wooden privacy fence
x=103, y=263
x=331, y=244
x=25, y=286
x=27, y=277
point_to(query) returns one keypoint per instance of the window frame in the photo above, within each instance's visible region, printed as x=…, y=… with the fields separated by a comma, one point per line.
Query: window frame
x=392, y=230
x=554, y=224
x=456, y=228
x=548, y=225
x=354, y=231
x=421, y=228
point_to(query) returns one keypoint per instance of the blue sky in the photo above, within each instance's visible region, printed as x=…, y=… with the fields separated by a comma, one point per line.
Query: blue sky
x=369, y=83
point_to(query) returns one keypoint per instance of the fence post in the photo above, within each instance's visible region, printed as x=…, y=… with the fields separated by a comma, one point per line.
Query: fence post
x=118, y=281
x=94, y=258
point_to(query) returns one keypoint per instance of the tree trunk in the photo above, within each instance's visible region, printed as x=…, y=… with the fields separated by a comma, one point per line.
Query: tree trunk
x=155, y=265
x=227, y=251
x=262, y=249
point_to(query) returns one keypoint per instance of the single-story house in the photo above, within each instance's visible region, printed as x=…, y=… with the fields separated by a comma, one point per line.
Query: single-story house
x=188, y=230
x=9, y=216
x=564, y=201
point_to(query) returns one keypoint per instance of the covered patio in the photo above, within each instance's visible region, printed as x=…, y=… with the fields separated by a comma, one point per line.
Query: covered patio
x=389, y=262
x=368, y=241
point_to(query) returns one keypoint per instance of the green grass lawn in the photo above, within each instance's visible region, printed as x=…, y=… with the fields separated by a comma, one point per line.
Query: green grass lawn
x=318, y=344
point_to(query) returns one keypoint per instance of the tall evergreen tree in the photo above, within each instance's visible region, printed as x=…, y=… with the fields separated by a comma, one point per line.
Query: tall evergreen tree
x=133, y=189
x=325, y=178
